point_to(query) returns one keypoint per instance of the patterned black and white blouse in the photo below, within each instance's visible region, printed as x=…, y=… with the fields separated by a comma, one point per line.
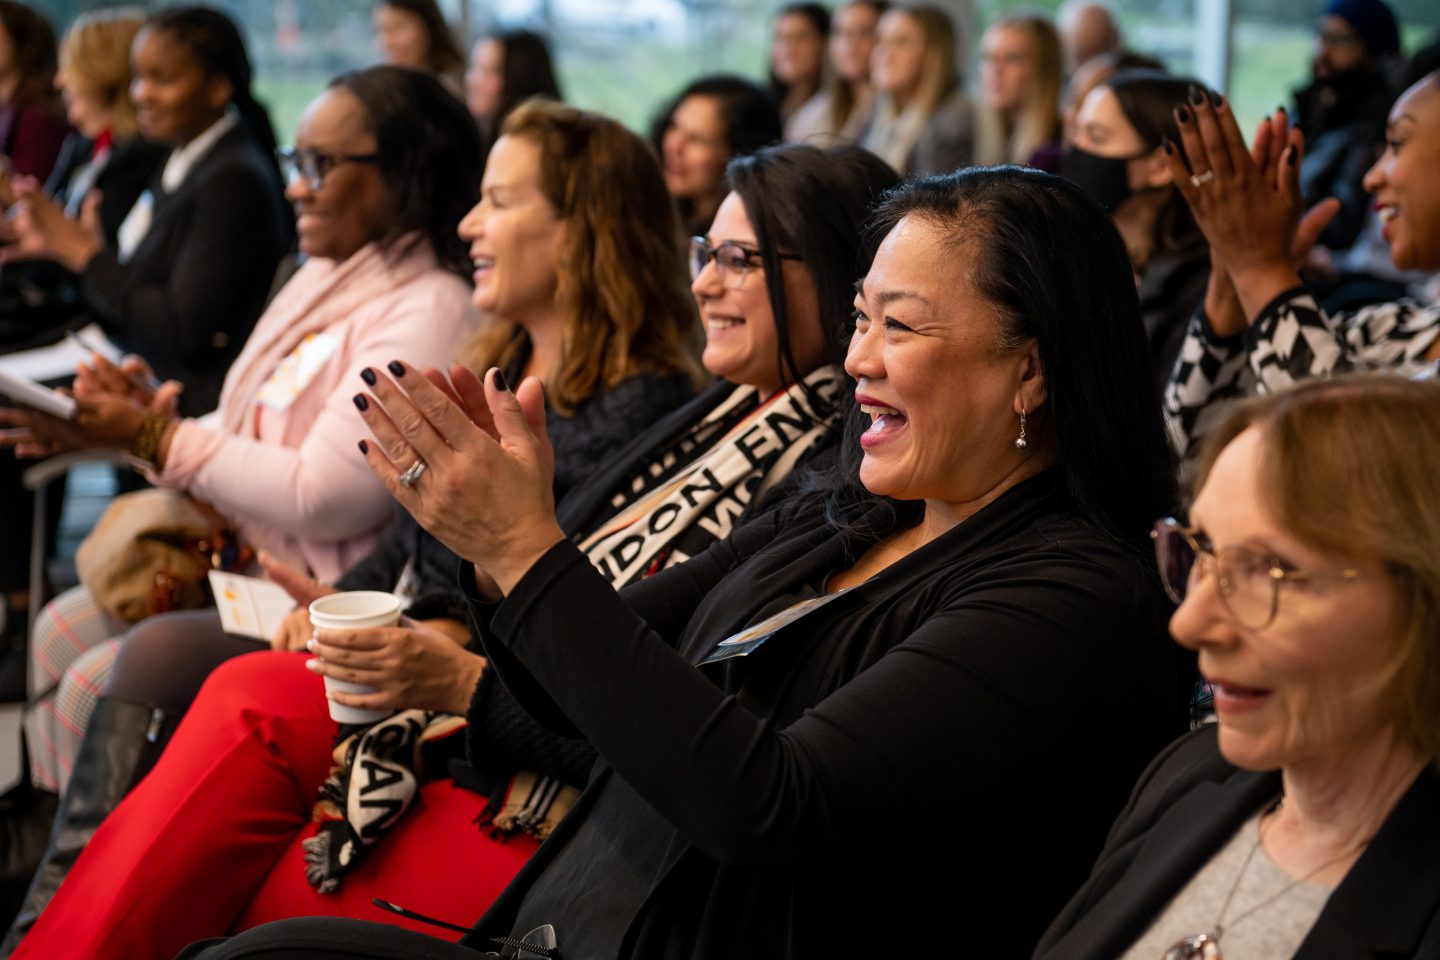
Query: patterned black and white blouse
x=1292, y=339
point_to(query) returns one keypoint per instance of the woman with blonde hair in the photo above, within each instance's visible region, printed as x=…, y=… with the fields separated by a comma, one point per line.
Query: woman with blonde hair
x=1306, y=822
x=922, y=123
x=839, y=112
x=1020, y=80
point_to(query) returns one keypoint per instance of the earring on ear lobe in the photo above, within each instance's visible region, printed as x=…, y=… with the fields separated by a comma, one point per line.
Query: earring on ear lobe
x=1020, y=442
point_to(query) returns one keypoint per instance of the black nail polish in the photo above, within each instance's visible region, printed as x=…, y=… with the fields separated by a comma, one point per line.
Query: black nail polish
x=1281, y=109
x=364, y=447
x=1182, y=114
x=1290, y=156
x=1168, y=145
x=1216, y=100
x=396, y=367
x=500, y=383
x=361, y=403
x=1197, y=96
x=368, y=376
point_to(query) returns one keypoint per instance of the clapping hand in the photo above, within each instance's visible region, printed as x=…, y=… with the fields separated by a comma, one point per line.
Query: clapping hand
x=42, y=231
x=133, y=378
x=1248, y=204
x=470, y=461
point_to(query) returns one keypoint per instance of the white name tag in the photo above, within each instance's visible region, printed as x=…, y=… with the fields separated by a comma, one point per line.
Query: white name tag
x=297, y=370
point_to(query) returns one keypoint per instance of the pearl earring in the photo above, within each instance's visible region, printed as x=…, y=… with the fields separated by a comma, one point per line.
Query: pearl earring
x=1020, y=442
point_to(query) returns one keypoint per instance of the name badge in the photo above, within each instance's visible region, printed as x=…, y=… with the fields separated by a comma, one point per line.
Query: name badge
x=750, y=639
x=297, y=370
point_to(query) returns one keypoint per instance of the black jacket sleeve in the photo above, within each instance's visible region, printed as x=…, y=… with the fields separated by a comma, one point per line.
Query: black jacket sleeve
x=199, y=288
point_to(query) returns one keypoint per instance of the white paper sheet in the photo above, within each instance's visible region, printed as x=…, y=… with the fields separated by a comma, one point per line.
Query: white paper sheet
x=248, y=606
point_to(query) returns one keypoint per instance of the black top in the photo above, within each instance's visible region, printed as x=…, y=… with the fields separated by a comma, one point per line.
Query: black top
x=930, y=759
x=1190, y=802
x=501, y=736
x=1171, y=289
x=192, y=290
x=39, y=299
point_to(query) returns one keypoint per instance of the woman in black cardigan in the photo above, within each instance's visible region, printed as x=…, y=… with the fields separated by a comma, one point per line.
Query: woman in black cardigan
x=188, y=275
x=982, y=630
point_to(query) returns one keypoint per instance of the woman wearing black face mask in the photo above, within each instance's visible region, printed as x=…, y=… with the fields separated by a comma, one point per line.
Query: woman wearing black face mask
x=1118, y=158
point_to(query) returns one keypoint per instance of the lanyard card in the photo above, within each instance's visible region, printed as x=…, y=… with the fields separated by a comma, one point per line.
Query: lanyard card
x=750, y=639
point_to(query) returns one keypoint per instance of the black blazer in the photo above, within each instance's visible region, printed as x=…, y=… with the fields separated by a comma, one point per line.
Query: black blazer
x=921, y=764
x=1189, y=803
x=191, y=292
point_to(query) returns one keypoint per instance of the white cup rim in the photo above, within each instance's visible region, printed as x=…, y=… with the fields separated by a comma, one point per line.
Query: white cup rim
x=384, y=604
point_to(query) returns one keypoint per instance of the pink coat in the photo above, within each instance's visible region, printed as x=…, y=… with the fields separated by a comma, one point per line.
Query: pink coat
x=282, y=464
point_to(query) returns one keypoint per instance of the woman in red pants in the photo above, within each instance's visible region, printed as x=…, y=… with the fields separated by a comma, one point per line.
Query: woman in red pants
x=215, y=839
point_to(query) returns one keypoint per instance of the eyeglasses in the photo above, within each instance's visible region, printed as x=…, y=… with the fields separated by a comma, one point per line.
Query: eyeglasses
x=313, y=166
x=1248, y=581
x=732, y=261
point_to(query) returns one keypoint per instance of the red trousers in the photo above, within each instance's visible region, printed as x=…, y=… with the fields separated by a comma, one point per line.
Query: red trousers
x=209, y=842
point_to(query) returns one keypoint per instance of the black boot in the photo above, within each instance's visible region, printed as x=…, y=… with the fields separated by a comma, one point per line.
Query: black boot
x=121, y=744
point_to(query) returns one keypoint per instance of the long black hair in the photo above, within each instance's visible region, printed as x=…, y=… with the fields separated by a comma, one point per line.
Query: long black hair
x=216, y=43
x=812, y=203
x=430, y=157
x=1046, y=257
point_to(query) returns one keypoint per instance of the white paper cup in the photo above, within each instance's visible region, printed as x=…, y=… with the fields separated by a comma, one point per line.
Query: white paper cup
x=354, y=610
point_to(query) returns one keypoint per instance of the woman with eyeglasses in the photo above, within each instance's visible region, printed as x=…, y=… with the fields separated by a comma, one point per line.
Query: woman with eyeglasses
x=851, y=721
x=777, y=273
x=378, y=181
x=1306, y=822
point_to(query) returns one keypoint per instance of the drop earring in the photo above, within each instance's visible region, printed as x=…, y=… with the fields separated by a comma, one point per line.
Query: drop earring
x=1020, y=442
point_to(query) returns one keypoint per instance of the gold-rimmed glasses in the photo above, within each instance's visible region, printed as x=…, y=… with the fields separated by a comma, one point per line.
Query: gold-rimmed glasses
x=1247, y=580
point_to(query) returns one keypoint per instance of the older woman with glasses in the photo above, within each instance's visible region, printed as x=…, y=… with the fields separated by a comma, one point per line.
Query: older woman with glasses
x=1304, y=823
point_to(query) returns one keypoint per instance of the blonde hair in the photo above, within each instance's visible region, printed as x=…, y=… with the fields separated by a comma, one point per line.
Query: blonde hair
x=937, y=76
x=623, y=283
x=95, y=58
x=1003, y=139
x=1371, y=445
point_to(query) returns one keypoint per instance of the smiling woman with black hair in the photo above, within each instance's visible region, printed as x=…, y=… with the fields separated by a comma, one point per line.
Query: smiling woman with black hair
x=908, y=645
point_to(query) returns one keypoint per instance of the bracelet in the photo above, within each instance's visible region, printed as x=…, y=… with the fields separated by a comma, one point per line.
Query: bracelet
x=146, y=444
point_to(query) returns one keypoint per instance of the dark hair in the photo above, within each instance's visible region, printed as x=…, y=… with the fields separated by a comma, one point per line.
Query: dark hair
x=819, y=19
x=749, y=114
x=1148, y=99
x=812, y=203
x=429, y=156
x=36, y=51
x=216, y=43
x=443, y=53
x=1046, y=257
x=527, y=72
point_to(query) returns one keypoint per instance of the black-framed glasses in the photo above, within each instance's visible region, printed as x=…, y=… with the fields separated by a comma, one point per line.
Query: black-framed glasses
x=313, y=166
x=1247, y=580
x=732, y=260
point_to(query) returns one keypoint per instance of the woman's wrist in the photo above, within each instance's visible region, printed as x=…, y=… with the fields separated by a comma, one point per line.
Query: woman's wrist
x=509, y=567
x=467, y=677
x=152, y=438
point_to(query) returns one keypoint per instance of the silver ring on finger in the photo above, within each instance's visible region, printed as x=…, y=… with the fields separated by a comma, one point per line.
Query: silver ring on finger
x=1200, y=179
x=412, y=473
